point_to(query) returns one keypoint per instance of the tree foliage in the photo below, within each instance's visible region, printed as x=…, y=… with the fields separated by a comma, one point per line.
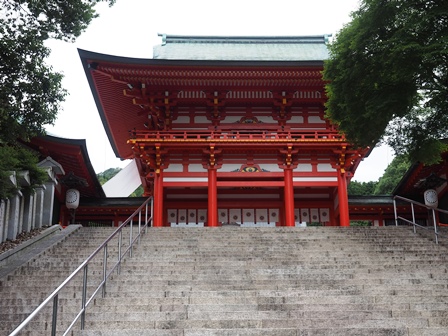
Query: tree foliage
x=386, y=183
x=106, y=175
x=392, y=175
x=388, y=66
x=30, y=91
x=16, y=159
x=361, y=188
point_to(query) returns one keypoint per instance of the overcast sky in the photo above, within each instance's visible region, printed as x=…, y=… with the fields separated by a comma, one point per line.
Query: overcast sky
x=130, y=28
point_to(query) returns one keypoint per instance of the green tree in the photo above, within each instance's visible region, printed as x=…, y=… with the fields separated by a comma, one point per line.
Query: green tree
x=361, y=188
x=30, y=91
x=389, y=67
x=392, y=175
x=16, y=158
x=137, y=192
x=106, y=175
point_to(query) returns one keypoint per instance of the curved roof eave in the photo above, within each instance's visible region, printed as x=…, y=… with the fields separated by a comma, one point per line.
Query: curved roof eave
x=81, y=144
x=88, y=58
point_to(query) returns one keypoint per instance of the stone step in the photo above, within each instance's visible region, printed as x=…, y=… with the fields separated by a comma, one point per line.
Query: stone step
x=229, y=281
x=257, y=332
x=217, y=321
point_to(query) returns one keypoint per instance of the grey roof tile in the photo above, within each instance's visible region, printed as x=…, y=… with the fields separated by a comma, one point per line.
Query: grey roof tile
x=241, y=48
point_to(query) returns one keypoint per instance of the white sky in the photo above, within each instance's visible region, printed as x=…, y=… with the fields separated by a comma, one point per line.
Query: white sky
x=130, y=29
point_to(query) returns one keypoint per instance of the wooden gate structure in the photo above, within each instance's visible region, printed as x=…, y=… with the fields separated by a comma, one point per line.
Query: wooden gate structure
x=228, y=130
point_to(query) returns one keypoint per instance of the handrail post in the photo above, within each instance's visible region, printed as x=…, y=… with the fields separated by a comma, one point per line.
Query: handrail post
x=54, y=318
x=104, y=271
x=84, y=297
x=120, y=239
x=395, y=212
x=152, y=211
x=139, y=225
x=146, y=217
x=435, y=225
x=413, y=218
x=130, y=237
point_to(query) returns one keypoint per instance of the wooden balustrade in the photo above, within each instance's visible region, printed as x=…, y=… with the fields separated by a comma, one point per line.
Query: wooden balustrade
x=237, y=135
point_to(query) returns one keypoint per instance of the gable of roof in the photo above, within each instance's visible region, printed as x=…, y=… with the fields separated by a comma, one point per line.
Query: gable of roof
x=71, y=156
x=242, y=48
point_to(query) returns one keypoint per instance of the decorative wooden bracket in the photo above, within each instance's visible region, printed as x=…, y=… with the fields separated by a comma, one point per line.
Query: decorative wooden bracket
x=281, y=114
x=154, y=158
x=346, y=158
x=215, y=101
x=157, y=105
x=212, y=157
x=288, y=157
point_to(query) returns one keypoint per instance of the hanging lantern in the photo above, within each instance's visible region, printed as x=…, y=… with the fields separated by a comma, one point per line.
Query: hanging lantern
x=72, y=199
x=431, y=199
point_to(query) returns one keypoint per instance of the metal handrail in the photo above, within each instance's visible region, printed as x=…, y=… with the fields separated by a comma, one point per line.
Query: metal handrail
x=413, y=222
x=84, y=267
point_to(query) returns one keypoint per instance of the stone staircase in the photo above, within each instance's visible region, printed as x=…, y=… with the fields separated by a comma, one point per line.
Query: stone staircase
x=24, y=289
x=251, y=281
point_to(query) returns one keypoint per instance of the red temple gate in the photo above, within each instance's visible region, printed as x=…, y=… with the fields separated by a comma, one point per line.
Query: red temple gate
x=233, y=138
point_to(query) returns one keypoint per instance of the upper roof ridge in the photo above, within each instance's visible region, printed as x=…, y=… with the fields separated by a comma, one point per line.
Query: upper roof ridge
x=244, y=39
x=242, y=48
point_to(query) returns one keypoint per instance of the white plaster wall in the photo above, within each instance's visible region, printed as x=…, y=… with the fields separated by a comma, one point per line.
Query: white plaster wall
x=304, y=167
x=325, y=167
x=201, y=120
x=296, y=120
x=175, y=168
x=272, y=167
x=185, y=179
x=315, y=179
x=196, y=168
x=182, y=120
x=315, y=120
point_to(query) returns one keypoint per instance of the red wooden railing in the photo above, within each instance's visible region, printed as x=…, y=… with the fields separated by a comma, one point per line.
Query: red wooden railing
x=238, y=135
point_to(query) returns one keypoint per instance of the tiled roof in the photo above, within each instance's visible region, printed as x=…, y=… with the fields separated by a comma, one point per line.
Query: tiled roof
x=242, y=48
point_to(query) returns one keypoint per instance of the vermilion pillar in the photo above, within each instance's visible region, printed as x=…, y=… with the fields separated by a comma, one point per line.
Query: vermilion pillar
x=212, y=212
x=344, y=219
x=289, y=198
x=158, y=200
